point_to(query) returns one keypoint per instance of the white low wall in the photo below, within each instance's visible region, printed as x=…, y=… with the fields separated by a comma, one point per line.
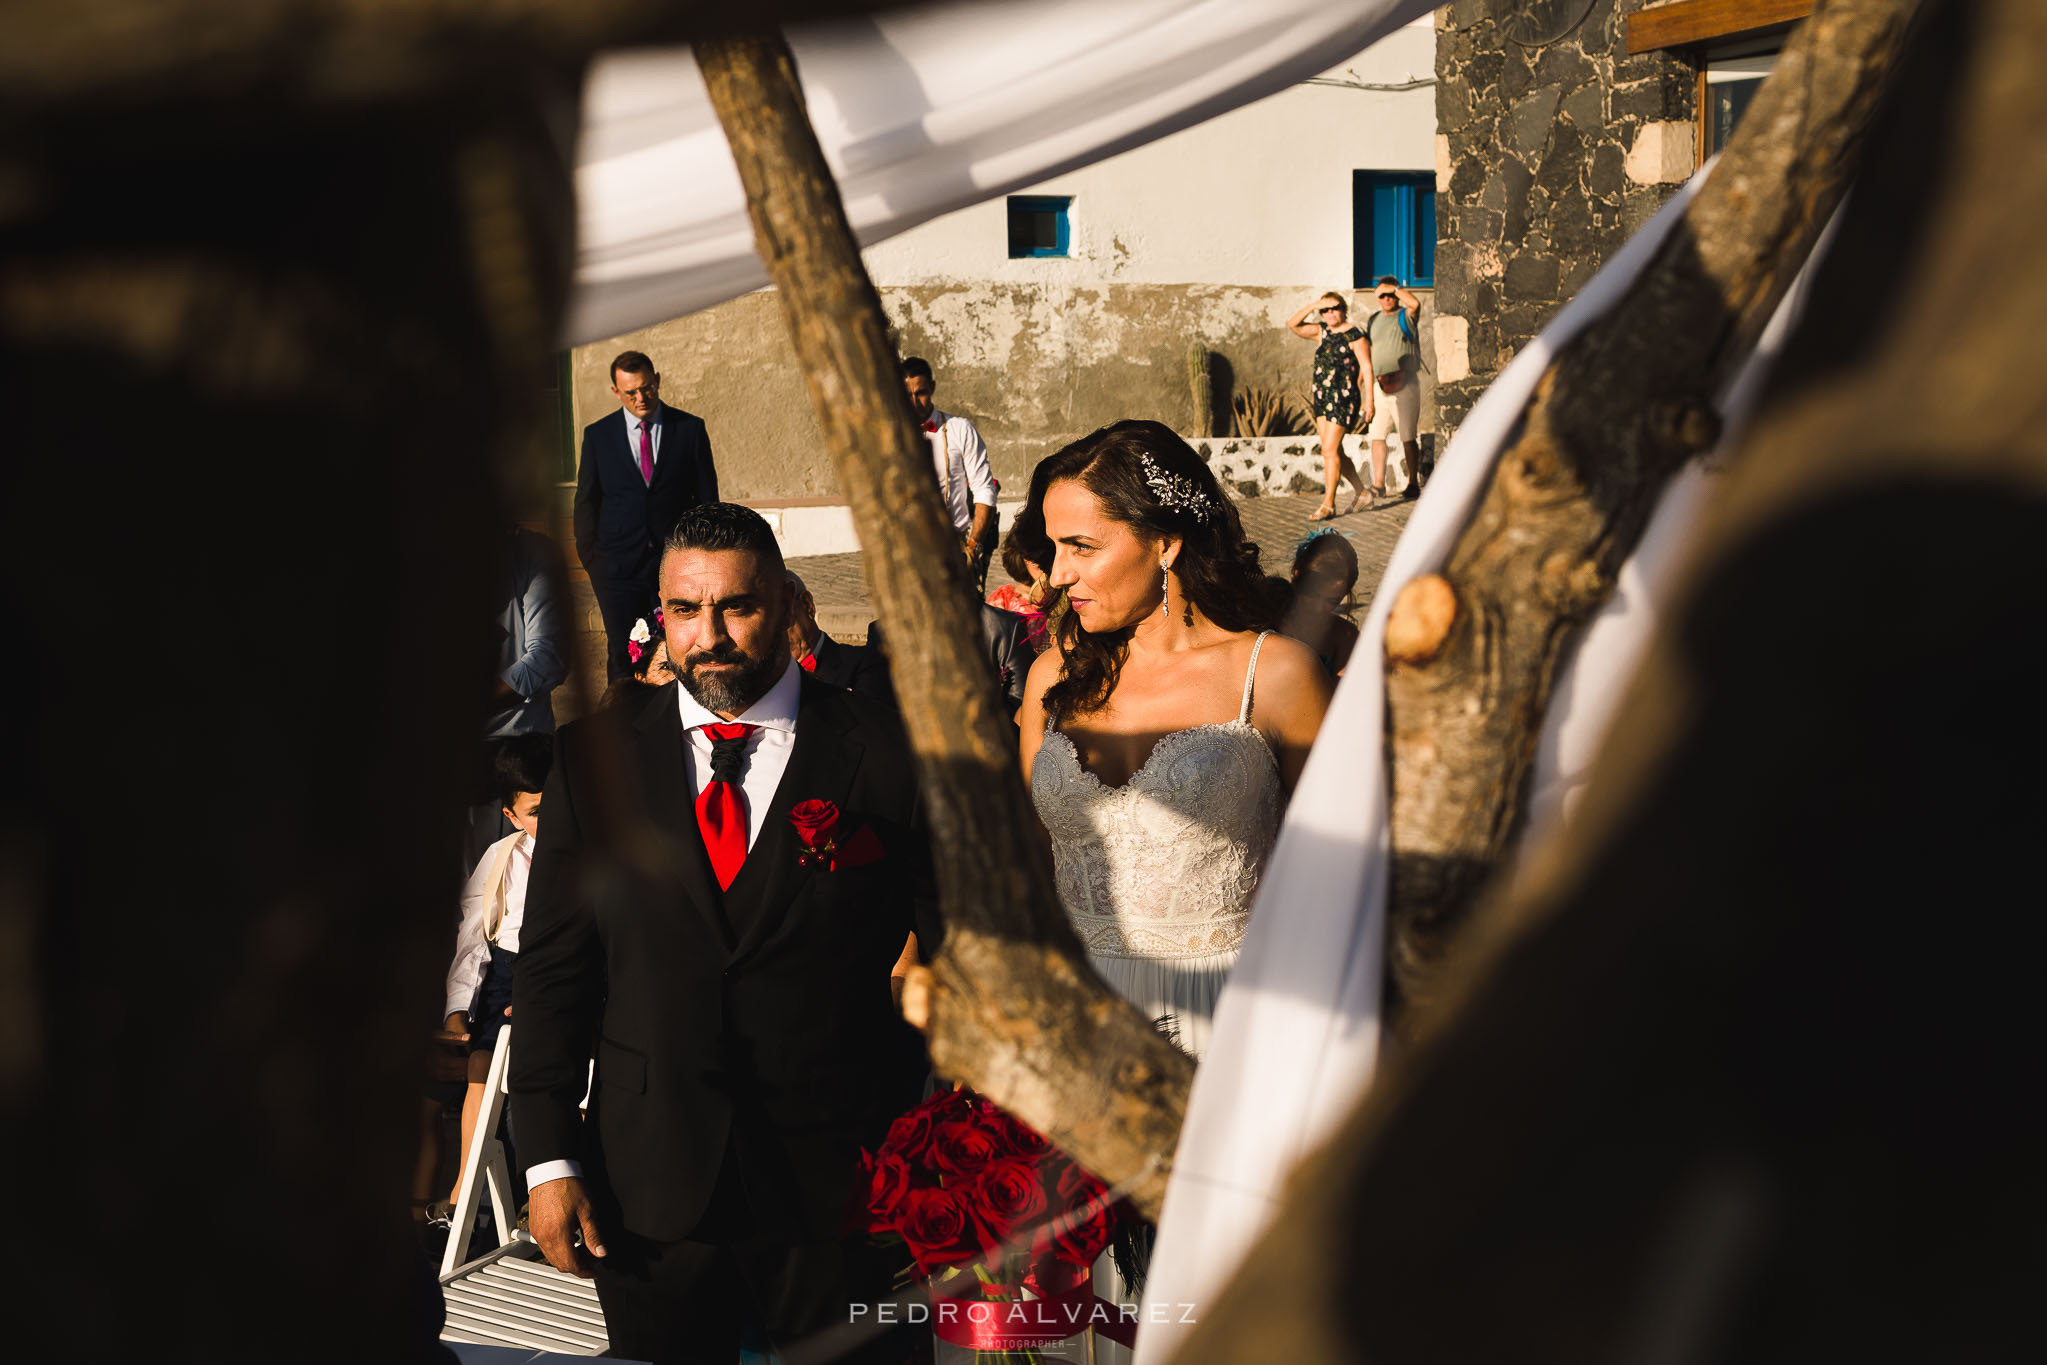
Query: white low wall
x=828, y=530
x=1246, y=466
x=1281, y=466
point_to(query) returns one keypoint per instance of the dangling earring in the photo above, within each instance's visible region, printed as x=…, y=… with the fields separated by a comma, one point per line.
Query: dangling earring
x=1165, y=588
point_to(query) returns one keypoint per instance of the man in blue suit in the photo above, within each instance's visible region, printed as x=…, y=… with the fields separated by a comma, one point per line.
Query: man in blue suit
x=642, y=468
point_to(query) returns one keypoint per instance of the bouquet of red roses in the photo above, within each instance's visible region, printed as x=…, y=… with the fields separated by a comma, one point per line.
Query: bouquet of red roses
x=987, y=1206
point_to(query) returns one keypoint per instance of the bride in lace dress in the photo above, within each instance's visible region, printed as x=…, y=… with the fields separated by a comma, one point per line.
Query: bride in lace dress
x=1164, y=729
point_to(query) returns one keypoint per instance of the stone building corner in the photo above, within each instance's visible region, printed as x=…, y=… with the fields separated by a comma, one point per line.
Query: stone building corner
x=1553, y=148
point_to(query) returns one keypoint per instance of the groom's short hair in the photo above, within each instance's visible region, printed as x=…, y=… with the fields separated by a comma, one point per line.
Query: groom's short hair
x=727, y=526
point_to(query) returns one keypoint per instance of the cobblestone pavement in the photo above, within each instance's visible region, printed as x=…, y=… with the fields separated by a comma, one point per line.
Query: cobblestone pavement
x=1275, y=524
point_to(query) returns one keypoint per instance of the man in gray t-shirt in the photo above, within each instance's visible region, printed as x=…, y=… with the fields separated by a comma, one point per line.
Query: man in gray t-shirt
x=1391, y=334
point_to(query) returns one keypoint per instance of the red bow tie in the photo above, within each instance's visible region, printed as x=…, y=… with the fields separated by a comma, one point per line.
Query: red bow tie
x=931, y=426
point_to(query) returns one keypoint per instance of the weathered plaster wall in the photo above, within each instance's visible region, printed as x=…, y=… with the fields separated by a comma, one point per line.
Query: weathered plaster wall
x=1548, y=158
x=1034, y=365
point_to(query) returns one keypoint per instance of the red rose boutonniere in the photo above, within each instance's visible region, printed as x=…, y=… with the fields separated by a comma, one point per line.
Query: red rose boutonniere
x=817, y=826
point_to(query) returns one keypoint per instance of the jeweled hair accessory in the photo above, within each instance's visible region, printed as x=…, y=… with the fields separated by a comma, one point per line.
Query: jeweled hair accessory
x=1177, y=491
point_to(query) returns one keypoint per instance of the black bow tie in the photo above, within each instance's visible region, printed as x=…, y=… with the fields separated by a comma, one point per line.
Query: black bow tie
x=728, y=758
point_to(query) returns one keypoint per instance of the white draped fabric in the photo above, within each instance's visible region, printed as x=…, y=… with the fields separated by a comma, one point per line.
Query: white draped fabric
x=1296, y=1035
x=920, y=112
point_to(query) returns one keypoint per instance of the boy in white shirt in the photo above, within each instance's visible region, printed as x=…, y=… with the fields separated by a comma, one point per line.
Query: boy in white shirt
x=479, y=987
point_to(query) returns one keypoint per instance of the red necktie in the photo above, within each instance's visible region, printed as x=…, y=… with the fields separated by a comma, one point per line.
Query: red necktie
x=809, y=662
x=721, y=806
x=646, y=455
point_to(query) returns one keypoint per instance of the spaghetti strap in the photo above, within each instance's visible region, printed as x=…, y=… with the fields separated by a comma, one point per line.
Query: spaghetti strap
x=1251, y=672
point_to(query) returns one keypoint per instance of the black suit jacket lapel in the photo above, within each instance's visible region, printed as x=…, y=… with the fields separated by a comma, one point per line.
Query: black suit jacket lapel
x=821, y=768
x=624, y=444
x=830, y=663
x=664, y=771
x=667, y=468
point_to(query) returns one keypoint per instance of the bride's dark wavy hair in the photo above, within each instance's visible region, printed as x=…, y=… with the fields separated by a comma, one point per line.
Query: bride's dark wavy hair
x=1217, y=568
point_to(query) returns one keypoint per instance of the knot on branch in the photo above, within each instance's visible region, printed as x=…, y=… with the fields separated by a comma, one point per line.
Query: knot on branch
x=1570, y=583
x=1420, y=620
x=1681, y=426
x=1534, y=471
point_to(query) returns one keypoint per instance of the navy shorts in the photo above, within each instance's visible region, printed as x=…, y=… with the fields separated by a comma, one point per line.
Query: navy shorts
x=493, y=997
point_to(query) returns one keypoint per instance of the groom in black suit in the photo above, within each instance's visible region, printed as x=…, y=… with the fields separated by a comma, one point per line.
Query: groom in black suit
x=642, y=466
x=732, y=974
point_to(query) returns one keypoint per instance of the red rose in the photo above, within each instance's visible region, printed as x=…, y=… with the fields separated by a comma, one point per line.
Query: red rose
x=1009, y=1200
x=1016, y=1137
x=909, y=1137
x=1086, y=1222
x=814, y=821
x=938, y=1229
x=885, y=1179
x=963, y=1146
x=951, y=1104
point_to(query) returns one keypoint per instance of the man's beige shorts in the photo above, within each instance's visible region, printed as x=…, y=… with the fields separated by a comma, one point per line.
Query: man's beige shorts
x=1402, y=411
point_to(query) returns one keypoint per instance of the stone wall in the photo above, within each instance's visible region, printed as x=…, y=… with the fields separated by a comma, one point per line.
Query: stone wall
x=1548, y=157
x=1035, y=366
x=1288, y=466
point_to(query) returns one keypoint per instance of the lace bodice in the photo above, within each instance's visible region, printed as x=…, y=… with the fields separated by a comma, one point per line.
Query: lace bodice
x=1166, y=864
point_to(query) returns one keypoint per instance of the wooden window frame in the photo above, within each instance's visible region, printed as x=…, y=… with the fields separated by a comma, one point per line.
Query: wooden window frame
x=1705, y=21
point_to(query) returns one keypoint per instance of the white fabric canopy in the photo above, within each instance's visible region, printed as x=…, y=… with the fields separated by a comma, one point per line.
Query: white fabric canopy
x=1297, y=1034
x=920, y=112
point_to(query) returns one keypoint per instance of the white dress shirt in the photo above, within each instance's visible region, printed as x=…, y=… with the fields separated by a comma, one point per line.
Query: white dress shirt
x=503, y=869
x=632, y=436
x=767, y=748
x=960, y=458
x=767, y=758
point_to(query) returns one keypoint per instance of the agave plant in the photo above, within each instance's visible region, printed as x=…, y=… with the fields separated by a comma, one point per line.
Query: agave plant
x=1261, y=411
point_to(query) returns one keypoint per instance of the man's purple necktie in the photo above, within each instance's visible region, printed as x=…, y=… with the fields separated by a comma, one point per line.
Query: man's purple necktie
x=646, y=455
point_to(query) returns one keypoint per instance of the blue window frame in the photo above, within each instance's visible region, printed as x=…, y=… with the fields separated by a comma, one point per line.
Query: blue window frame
x=1393, y=227
x=1039, y=225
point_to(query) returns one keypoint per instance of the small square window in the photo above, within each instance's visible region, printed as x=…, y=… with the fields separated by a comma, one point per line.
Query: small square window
x=1038, y=225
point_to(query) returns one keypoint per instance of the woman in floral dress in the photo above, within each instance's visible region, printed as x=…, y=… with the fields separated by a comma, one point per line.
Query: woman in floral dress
x=1341, y=404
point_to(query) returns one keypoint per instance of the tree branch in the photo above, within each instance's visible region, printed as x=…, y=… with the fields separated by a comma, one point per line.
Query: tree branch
x=1472, y=653
x=1015, y=1010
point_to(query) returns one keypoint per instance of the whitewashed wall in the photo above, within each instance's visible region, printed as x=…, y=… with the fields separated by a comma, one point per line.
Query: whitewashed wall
x=1258, y=197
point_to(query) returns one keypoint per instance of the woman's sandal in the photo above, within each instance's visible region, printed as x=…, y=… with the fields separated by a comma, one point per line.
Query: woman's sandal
x=1322, y=514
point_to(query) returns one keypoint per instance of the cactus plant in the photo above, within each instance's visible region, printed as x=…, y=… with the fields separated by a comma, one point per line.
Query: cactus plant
x=1202, y=385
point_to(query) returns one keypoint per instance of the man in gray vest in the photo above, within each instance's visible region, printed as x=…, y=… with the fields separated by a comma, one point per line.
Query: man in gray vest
x=1390, y=347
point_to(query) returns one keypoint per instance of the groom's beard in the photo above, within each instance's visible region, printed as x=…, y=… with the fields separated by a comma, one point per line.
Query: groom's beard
x=733, y=690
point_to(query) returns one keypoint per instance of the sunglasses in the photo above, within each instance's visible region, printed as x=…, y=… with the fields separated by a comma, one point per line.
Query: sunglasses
x=1389, y=296
x=1333, y=308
